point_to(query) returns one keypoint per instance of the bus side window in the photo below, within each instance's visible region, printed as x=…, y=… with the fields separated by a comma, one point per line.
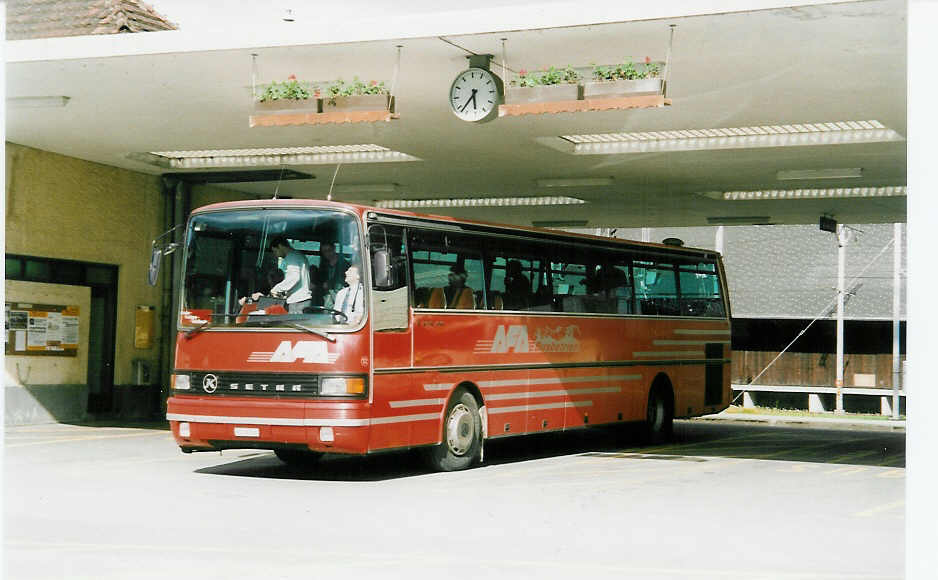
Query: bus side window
x=700, y=290
x=447, y=271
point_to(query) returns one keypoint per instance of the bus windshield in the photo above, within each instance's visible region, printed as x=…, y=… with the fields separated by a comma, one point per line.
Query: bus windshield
x=273, y=267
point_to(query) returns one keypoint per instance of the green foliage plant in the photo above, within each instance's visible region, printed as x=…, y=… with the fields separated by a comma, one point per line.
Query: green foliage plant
x=628, y=70
x=549, y=76
x=340, y=88
x=291, y=89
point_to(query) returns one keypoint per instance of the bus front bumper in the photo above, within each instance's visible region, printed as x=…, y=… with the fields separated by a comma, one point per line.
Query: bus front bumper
x=200, y=424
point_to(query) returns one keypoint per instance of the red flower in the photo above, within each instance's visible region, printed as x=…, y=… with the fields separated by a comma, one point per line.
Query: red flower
x=291, y=78
x=522, y=72
x=647, y=60
x=373, y=83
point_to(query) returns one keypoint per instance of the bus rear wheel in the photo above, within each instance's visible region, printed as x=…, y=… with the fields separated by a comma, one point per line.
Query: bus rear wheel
x=659, y=418
x=297, y=458
x=462, y=435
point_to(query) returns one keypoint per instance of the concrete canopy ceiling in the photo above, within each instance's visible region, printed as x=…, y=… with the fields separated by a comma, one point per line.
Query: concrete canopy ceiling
x=786, y=65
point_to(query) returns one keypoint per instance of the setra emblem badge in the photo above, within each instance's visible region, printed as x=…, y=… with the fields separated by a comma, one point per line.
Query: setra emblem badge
x=210, y=383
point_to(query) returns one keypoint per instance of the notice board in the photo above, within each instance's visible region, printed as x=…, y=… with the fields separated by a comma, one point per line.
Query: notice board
x=40, y=329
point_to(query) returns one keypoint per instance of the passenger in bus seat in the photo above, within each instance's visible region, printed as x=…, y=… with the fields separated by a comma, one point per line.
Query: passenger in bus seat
x=350, y=299
x=456, y=294
x=330, y=277
x=517, y=287
x=421, y=297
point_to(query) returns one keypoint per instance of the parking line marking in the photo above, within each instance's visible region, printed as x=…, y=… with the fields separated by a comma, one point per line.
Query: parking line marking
x=848, y=470
x=879, y=509
x=88, y=438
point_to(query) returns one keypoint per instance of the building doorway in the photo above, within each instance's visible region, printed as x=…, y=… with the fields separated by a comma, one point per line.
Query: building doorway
x=102, y=279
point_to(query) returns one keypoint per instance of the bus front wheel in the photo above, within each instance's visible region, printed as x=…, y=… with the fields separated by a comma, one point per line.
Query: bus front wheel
x=462, y=435
x=659, y=418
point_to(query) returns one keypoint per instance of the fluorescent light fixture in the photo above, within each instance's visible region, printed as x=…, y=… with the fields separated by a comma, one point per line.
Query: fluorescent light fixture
x=739, y=220
x=796, y=135
x=318, y=155
x=478, y=202
x=575, y=182
x=841, y=173
x=366, y=188
x=832, y=193
x=37, y=102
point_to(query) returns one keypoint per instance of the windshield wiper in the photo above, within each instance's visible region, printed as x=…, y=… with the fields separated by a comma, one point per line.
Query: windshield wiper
x=315, y=331
x=204, y=326
x=291, y=320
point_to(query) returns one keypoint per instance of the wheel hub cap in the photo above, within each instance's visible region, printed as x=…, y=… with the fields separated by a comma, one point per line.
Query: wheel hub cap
x=460, y=430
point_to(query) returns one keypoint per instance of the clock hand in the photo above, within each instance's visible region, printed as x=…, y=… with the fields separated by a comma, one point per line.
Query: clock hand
x=472, y=99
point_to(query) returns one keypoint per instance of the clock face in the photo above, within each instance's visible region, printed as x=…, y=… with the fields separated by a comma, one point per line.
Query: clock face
x=475, y=95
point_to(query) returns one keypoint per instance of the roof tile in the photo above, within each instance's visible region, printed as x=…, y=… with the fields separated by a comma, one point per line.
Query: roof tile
x=29, y=19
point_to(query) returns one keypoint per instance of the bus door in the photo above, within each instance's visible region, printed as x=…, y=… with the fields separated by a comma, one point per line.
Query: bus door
x=391, y=322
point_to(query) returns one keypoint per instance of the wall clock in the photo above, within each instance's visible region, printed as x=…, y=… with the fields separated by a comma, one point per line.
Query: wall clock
x=476, y=94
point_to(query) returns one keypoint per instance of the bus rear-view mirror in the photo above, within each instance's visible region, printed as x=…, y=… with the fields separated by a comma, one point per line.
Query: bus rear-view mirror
x=381, y=266
x=153, y=270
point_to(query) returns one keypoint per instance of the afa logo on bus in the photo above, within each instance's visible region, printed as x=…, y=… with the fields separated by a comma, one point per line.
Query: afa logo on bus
x=515, y=338
x=307, y=351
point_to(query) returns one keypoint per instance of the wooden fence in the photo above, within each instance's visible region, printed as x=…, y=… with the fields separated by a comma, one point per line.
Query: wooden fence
x=812, y=369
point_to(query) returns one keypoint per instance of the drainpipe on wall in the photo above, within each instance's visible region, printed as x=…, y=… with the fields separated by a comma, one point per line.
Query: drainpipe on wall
x=176, y=199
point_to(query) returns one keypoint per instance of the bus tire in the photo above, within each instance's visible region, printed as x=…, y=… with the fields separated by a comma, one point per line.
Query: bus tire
x=462, y=435
x=297, y=458
x=659, y=417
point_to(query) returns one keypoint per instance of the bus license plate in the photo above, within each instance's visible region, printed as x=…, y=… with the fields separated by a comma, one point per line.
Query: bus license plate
x=247, y=432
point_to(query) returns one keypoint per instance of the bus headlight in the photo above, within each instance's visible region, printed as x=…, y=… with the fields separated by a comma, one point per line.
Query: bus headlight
x=180, y=382
x=342, y=386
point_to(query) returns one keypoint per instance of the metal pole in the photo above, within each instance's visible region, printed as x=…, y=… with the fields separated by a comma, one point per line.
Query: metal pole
x=719, y=240
x=841, y=290
x=397, y=71
x=896, y=282
x=253, y=77
x=667, y=62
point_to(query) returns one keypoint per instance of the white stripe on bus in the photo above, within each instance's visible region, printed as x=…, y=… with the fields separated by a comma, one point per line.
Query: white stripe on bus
x=542, y=394
x=276, y=421
x=290, y=422
x=416, y=403
x=537, y=381
x=405, y=418
x=687, y=342
x=697, y=353
x=699, y=332
x=543, y=407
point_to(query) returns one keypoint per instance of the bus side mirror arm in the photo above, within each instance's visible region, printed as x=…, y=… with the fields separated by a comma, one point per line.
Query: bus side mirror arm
x=158, y=249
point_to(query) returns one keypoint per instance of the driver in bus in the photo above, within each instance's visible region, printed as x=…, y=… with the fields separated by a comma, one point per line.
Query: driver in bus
x=295, y=284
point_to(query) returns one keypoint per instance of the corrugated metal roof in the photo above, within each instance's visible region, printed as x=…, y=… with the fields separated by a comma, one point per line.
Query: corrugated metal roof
x=790, y=271
x=28, y=19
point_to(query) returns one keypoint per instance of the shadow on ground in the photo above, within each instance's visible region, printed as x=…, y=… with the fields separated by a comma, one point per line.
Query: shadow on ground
x=693, y=441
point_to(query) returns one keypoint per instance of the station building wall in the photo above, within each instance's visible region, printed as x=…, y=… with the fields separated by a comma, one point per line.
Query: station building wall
x=63, y=208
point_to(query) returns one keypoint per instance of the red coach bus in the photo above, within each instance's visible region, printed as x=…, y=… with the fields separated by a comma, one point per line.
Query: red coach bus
x=458, y=332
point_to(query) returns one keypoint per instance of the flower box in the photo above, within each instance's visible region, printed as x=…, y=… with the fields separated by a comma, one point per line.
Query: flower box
x=622, y=88
x=543, y=93
x=289, y=105
x=357, y=103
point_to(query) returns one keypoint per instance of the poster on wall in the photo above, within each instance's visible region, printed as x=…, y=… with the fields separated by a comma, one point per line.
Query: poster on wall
x=40, y=329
